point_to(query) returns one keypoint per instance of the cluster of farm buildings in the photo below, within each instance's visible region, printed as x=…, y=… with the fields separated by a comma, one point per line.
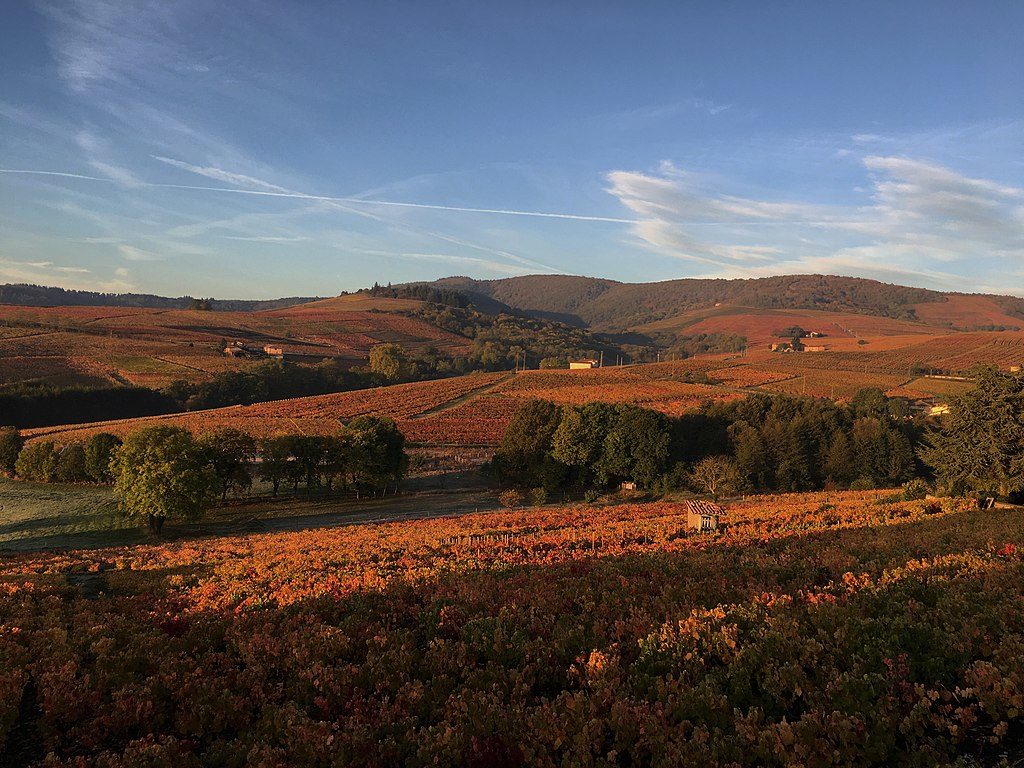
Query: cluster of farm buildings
x=241, y=349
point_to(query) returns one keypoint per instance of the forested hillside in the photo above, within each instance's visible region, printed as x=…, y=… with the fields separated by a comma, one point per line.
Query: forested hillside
x=609, y=305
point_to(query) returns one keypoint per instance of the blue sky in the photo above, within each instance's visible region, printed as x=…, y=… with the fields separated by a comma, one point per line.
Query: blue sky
x=257, y=149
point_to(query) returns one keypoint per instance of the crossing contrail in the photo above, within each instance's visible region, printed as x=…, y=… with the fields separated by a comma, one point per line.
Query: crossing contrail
x=331, y=199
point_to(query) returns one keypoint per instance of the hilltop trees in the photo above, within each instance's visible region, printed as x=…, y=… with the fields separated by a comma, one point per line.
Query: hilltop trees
x=980, y=445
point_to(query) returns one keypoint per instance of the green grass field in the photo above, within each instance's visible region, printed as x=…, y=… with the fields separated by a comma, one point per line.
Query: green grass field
x=48, y=513
x=944, y=388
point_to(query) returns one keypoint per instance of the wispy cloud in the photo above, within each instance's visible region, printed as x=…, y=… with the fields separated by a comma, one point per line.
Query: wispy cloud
x=132, y=253
x=228, y=177
x=922, y=221
x=268, y=238
x=47, y=272
x=110, y=41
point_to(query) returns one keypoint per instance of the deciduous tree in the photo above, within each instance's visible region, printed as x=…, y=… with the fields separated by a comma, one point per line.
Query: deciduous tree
x=160, y=473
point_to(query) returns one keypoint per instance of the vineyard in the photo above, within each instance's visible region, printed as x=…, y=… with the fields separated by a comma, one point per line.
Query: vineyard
x=317, y=414
x=475, y=409
x=819, y=629
x=152, y=347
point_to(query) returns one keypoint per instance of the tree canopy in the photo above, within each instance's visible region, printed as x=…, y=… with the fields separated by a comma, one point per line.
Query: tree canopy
x=160, y=473
x=980, y=443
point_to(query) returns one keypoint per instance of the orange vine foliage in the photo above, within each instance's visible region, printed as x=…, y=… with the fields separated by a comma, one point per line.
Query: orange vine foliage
x=819, y=629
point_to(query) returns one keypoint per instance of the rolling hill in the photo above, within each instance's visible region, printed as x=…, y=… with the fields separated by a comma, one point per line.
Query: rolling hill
x=606, y=305
x=109, y=345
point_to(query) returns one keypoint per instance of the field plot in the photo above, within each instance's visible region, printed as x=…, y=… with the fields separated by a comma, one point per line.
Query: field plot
x=966, y=312
x=630, y=384
x=815, y=624
x=318, y=414
x=833, y=384
x=760, y=326
x=955, y=352
x=152, y=347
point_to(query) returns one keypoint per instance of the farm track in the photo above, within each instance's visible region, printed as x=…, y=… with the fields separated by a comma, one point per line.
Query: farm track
x=468, y=397
x=322, y=514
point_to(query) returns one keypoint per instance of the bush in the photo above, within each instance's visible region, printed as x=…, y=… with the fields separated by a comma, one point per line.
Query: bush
x=37, y=461
x=862, y=484
x=915, y=489
x=538, y=497
x=591, y=496
x=510, y=498
x=71, y=464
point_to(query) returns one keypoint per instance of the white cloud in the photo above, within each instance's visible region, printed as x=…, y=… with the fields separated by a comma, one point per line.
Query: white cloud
x=48, y=273
x=132, y=253
x=116, y=173
x=922, y=221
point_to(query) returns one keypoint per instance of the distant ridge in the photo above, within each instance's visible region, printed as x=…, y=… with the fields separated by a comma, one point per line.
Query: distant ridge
x=24, y=294
x=610, y=305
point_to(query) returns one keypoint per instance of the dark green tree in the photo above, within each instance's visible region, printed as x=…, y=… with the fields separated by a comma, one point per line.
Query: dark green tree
x=526, y=443
x=11, y=443
x=636, y=447
x=231, y=453
x=71, y=464
x=979, y=445
x=99, y=451
x=378, y=455
x=275, y=460
x=753, y=459
x=579, y=441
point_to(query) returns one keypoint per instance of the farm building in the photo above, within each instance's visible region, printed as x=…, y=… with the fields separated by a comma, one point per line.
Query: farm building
x=578, y=365
x=938, y=410
x=704, y=516
x=814, y=348
x=781, y=346
x=241, y=349
x=627, y=485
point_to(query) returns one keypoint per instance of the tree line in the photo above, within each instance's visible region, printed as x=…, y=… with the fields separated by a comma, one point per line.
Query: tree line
x=759, y=443
x=163, y=472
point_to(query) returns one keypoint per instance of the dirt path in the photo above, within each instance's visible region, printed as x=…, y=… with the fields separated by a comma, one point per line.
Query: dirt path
x=292, y=514
x=468, y=397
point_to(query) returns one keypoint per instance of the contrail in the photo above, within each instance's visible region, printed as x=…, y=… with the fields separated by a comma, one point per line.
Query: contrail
x=349, y=200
